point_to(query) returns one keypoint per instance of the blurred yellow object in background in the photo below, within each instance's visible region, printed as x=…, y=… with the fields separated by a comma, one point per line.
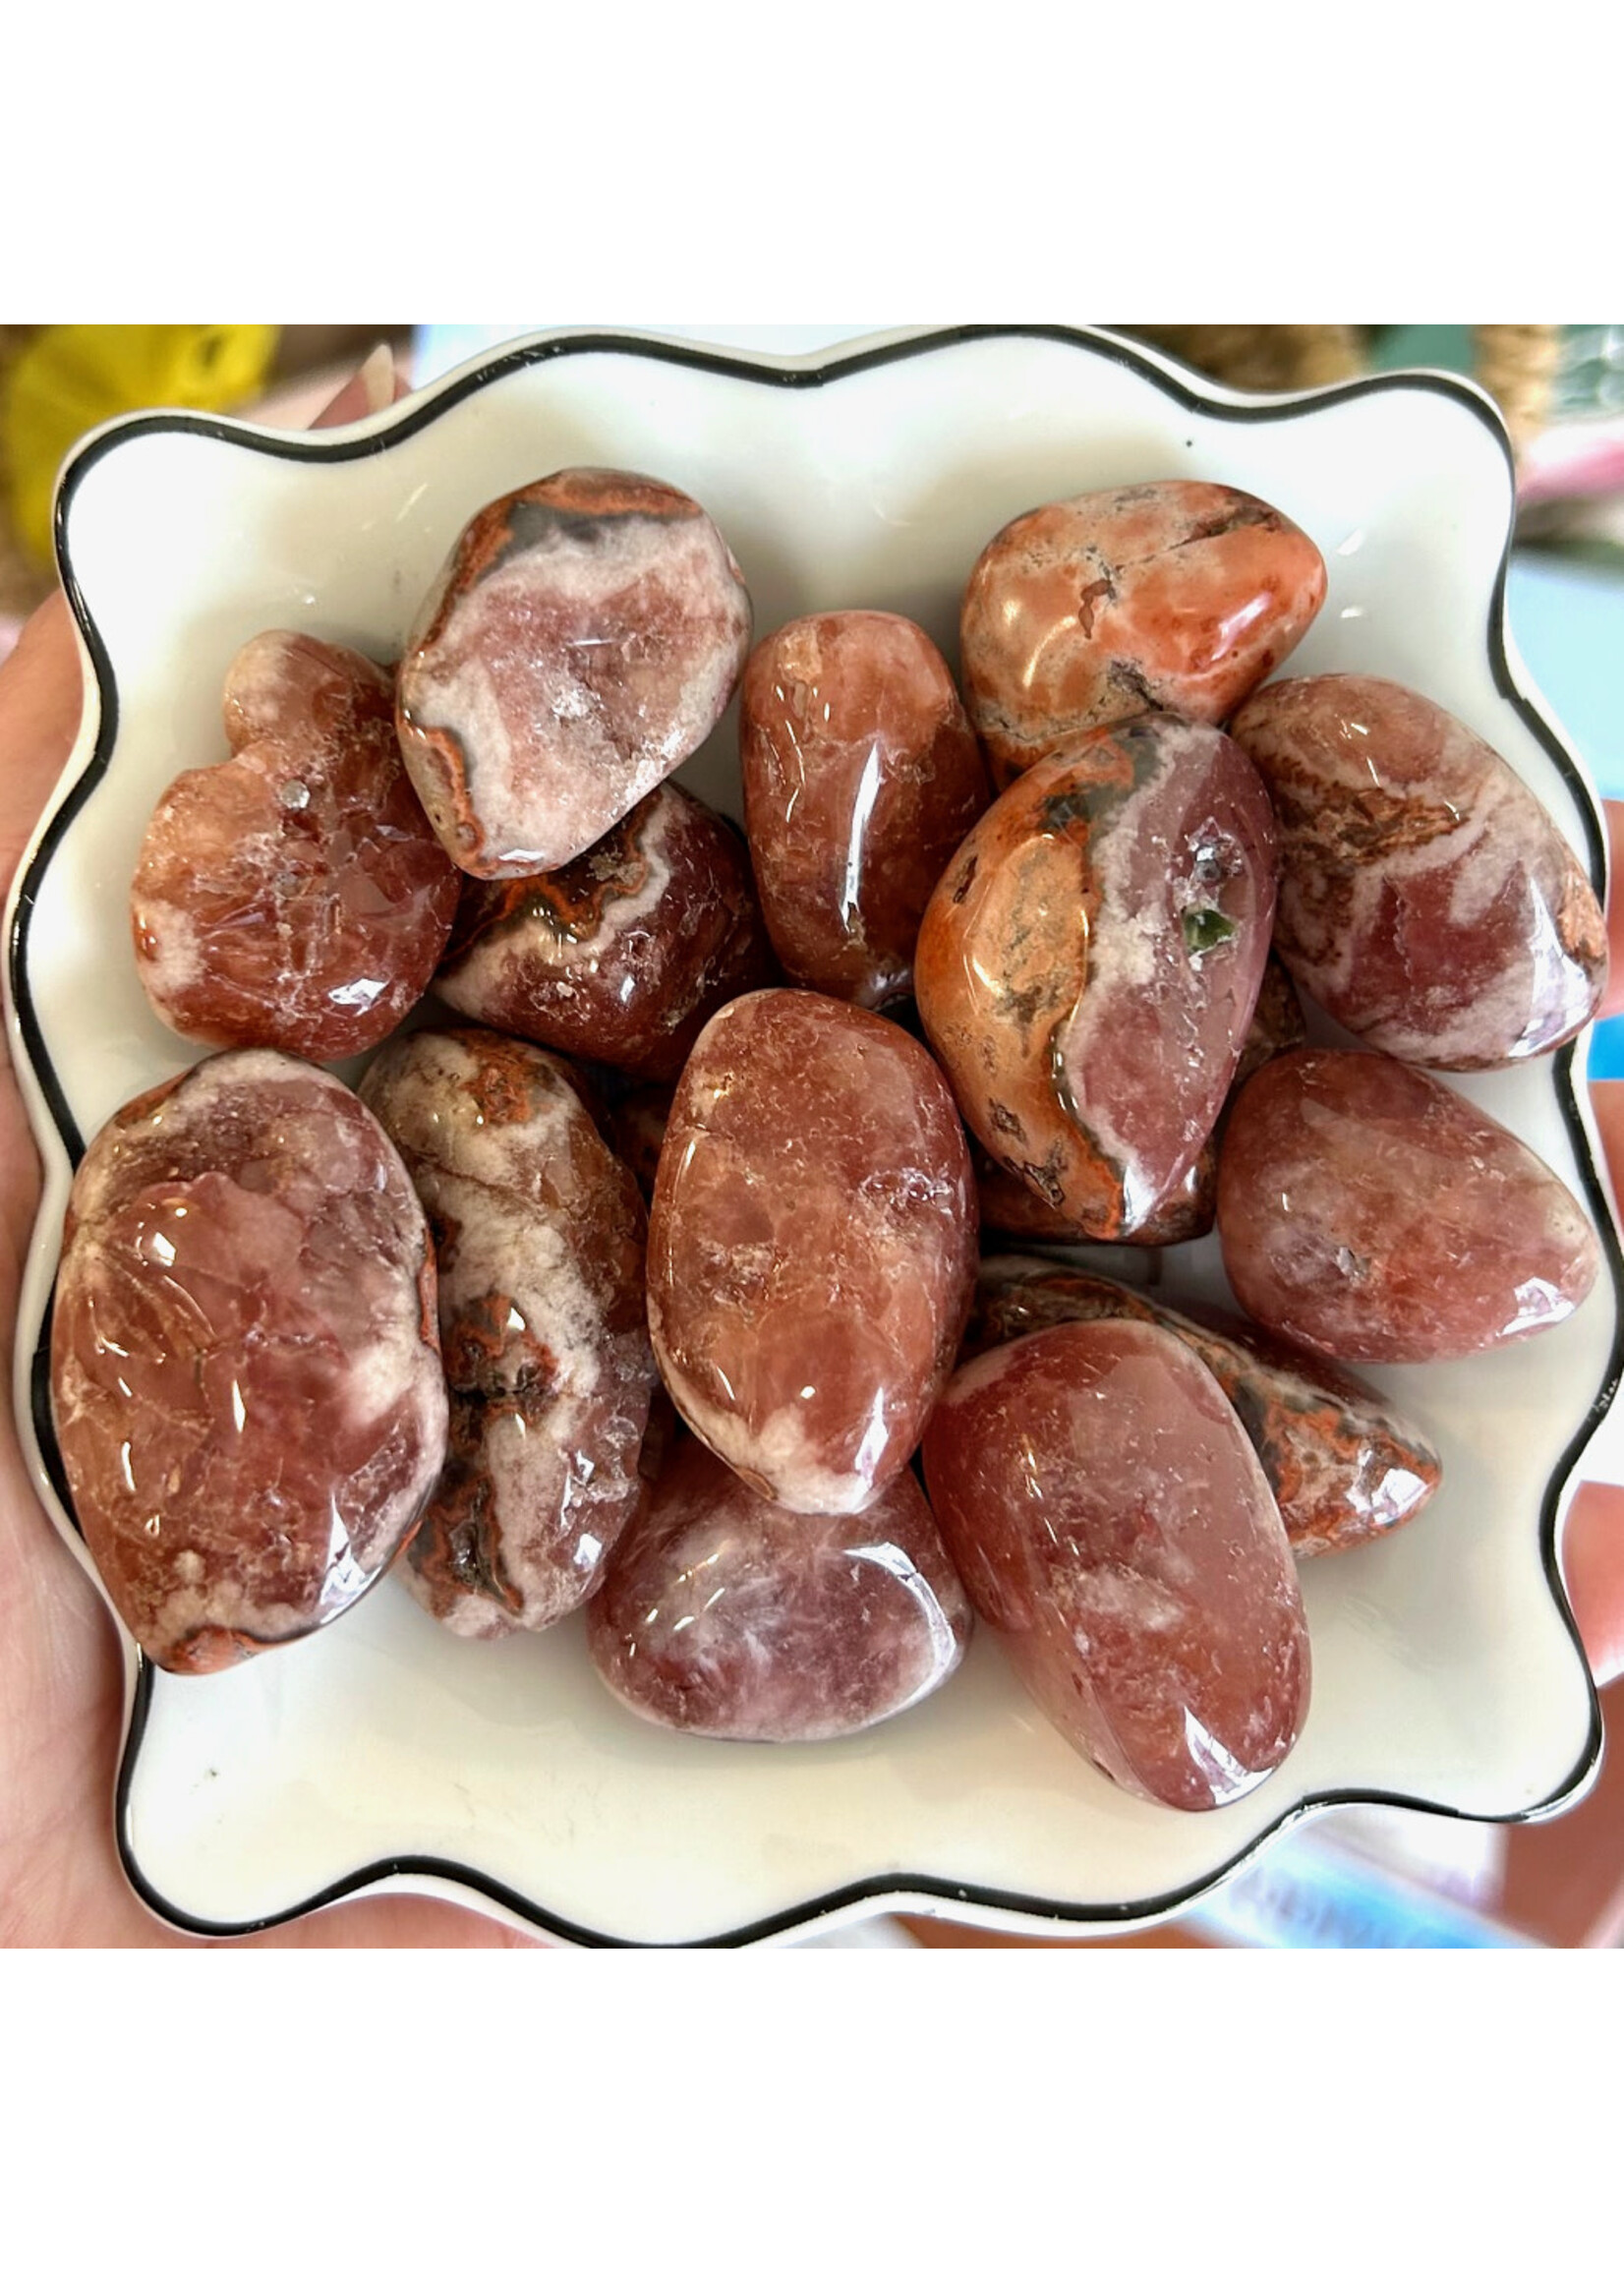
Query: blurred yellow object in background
x=70, y=376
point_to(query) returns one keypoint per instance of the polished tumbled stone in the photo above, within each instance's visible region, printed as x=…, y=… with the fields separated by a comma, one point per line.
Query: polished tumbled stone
x=293, y=895
x=861, y=778
x=245, y=1373
x=1090, y=962
x=539, y=1233
x=1428, y=901
x=1368, y=1212
x=1342, y=1465
x=1111, y=1521
x=726, y=1617
x=1171, y=595
x=811, y=1246
x=582, y=640
x=621, y=955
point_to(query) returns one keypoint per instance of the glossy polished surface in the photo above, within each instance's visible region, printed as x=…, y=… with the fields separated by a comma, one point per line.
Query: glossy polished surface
x=1426, y=900
x=1369, y=1213
x=1343, y=1467
x=1090, y=962
x=245, y=1374
x=811, y=1246
x=1110, y=1519
x=1446, y=1674
x=724, y=1617
x=861, y=778
x=539, y=1232
x=293, y=895
x=579, y=644
x=621, y=955
x=1160, y=596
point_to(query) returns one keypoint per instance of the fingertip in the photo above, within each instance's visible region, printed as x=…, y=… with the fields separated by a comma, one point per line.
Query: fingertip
x=1592, y=1565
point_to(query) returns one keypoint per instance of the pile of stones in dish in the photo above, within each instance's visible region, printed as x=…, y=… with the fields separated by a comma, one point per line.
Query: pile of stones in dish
x=670, y=1261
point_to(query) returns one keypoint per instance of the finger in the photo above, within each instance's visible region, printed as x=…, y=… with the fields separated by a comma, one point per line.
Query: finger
x=1612, y=998
x=1592, y=1565
x=41, y=693
x=1592, y=1545
x=375, y=386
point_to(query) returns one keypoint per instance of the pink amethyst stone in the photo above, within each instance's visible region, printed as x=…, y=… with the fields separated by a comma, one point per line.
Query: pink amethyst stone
x=728, y=1618
x=581, y=642
x=811, y=1246
x=539, y=1231
x=1090, y=964
x=245, y=1374
x=293, y=894
x=1369, y=1213
x=1110, y=1519
x=861, y=778
x=1428, y=901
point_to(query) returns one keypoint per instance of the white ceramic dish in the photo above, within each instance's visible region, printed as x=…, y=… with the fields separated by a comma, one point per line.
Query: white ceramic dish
x=1447, y=1675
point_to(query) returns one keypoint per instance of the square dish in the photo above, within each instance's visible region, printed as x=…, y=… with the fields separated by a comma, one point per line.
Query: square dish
x=1447, y=1674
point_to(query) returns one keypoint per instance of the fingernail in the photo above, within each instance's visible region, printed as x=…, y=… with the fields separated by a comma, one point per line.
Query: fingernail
x=378, y=377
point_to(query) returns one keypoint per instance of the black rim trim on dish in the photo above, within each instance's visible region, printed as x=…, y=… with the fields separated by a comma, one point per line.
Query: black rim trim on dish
x=891, y=1889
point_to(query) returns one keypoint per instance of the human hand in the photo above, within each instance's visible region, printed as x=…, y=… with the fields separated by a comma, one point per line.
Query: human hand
x=61, y=1666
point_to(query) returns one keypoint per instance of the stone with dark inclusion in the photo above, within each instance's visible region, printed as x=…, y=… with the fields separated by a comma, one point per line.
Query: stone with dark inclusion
x=1013, y=1208
x=1111, y=1521
x=540, y=1234
x=621, y=955
x=293, y=894
x=245, y=1375
x=726, y=1617
x=581, y=641
x=811, y=1246
x=1428, y=901
x=1168, y=595
x=1342, y=1465
x=1090, y=962
x=861, y=778
x=1368, y=1212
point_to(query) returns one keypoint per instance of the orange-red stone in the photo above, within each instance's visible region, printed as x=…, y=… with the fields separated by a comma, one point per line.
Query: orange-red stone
x=1171, y=595
x=1090, y=962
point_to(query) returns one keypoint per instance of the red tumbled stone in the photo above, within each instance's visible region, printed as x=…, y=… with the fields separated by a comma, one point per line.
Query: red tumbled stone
x=1367, y=1213
x=293, y=894
x=1171, y=595
x=1343, y=1467
x=580, y=643
x=1109, y=1519
x=1090, y=964
x=245, y=1375
x=621, y=955
x=728, y=1618
x=539, y=1231
x=1428, y=901
x=861, y=776
x=811, y=1246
